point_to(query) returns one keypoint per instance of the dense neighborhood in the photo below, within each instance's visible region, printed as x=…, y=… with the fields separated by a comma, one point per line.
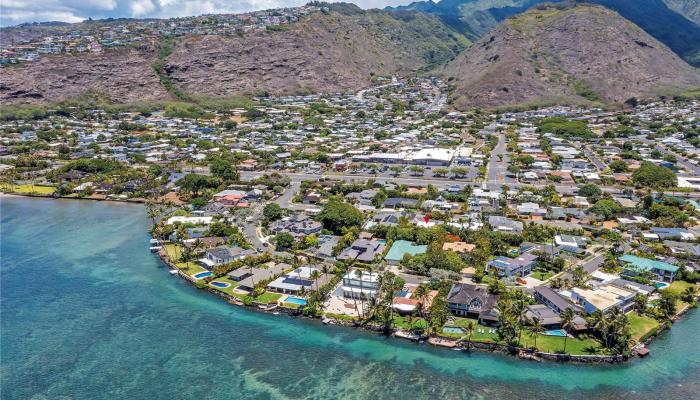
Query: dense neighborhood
x=560, y=231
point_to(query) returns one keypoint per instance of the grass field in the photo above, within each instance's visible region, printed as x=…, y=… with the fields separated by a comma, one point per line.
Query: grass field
x=541, y=275
x=403, y=323
x=678, y=287
x=268, y=297
x=641, y=325
x=28, y=189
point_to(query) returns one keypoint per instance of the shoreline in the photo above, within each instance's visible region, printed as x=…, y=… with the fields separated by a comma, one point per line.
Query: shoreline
x=440, y=340
x=435, y=340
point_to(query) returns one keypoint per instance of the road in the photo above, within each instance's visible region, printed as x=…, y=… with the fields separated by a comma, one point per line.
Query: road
x=680, y=160
x=593, y=157
x=497, y=167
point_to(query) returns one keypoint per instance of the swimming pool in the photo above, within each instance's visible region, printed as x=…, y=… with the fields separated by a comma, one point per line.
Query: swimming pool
x=203, y=274
x=661, y=285
x=453, y=330
x=555, y=332
x=220, y=285
x=295, y=300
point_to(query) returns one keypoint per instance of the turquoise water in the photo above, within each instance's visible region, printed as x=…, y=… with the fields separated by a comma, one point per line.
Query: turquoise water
x=453, y=329
x=202, y=275
x=220, y=284
x=555, y=332
x=295, y=300
x=87, y=312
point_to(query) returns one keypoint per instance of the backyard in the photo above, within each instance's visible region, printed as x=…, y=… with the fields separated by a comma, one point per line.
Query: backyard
x=548, y=344
x=640, y=326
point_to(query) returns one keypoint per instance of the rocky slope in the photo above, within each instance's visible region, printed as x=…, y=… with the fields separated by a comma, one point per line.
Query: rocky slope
x=325, y=52
x=574, y=54
x=120, y=76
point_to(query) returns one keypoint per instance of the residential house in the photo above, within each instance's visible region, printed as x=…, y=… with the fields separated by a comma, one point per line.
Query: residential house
x=661, y=270
x=223, y=255
x=603, y=298
x=364, y=250
x=473, y=301
x=503, y=224
x=247, y=278
x=519, y=266
x=301, y=279
x=360, y=284
x=402, y=247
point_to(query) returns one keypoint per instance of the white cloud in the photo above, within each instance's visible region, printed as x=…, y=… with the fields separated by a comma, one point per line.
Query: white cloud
x=13, y=12
x=139, y=8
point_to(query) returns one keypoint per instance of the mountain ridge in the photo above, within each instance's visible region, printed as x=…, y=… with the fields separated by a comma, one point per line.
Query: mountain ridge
x=662, y=19
x=581, y=54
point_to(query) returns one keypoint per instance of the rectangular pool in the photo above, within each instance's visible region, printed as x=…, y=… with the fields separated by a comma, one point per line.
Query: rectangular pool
x=295, y=300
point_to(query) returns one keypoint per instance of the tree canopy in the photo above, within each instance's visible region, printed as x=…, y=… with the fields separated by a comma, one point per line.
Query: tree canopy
x=653, y=176
x=337, y=215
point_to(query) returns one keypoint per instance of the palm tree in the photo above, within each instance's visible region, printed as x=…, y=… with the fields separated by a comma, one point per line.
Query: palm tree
x=599, y=323
x=421, y=294
x=181, y=236
x=469, y=329
x=689, y=294
x=567, y=322
x=640, y=303
x=518, y=309
x=536, y=328
x=314, y=277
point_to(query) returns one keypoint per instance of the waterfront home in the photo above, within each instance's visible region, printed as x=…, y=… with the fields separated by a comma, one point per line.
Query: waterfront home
x=298, y=280
x=662, y=271
x=364, y=250
x=190, y=220
x=402, y=247
x=247, y=278
x=223, y=255
x=548, y=318
x=360, y=284
x=468, y=300
x=550, y=298
x=603, y=298
x=519, y=266
x=405, y=301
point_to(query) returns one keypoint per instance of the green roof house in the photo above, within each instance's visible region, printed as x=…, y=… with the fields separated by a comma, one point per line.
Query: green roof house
x=401, y=248
x=635, y=265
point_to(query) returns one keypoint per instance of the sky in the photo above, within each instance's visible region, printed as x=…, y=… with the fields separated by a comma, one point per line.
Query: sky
x=13, y=12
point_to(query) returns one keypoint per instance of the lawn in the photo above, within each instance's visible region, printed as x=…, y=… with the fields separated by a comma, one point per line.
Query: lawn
x=480, y=334
x=548, y=344
x=228, y=290
x=191, y=269
x=403, y=323
x=542, y=275
x=268, y=297
x=678, y=287
x=29, y=189
x=555, y=344
x=641, y=325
